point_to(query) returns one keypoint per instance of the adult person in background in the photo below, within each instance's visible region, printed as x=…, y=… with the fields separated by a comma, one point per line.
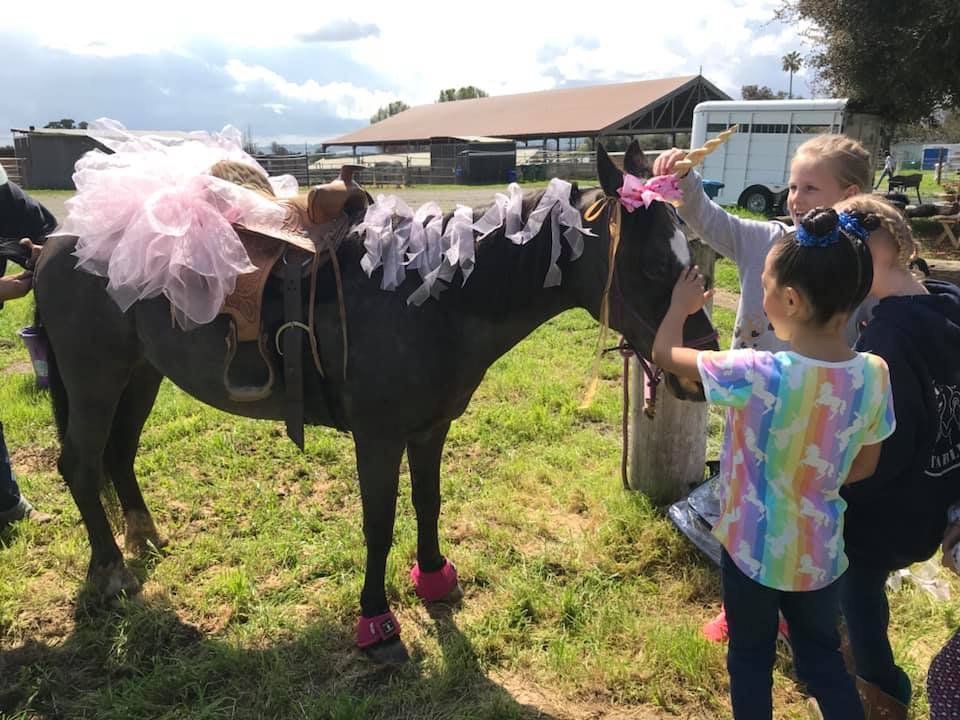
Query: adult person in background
x=21, y=217
x=897, y=516
x=887, y=169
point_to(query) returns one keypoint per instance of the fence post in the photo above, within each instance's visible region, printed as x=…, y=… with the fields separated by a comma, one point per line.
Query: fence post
x=667, y=454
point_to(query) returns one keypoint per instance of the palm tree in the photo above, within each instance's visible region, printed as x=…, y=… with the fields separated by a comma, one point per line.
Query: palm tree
x=791, y=63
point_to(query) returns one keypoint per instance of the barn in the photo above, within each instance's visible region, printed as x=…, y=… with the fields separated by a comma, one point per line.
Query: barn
x=46, y=156
x=663, y=106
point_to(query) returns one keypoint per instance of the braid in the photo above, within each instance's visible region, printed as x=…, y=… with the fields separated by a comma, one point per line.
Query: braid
x=884, y=215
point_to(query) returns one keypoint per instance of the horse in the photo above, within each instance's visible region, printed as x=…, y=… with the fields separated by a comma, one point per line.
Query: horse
x=410, y=372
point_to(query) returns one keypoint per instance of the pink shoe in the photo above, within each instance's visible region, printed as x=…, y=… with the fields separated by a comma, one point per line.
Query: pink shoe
x=716, y=629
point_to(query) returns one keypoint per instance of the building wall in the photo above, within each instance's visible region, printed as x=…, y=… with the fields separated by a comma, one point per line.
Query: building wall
x=51, y=158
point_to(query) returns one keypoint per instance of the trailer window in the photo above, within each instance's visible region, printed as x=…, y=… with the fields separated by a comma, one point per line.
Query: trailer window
x=812, y=129
x=771, y=128
x=720, y=127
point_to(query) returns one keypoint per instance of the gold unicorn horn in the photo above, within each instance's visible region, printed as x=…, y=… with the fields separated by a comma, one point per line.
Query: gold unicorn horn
x=695, y=157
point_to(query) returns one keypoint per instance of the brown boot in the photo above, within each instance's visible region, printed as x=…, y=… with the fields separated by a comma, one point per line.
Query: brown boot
x=877, y=705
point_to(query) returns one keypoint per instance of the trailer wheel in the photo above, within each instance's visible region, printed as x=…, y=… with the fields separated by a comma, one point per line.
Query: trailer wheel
x=756, y=199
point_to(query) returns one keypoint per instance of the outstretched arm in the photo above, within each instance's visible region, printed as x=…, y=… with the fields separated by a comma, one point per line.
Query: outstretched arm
x=668, y=350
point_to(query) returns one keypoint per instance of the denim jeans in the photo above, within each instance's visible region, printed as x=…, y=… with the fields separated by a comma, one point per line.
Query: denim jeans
x=752, y=618
x=863, y=601
x=9, y=491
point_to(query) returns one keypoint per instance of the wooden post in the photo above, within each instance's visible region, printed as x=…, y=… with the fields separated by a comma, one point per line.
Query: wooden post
x=667, y=454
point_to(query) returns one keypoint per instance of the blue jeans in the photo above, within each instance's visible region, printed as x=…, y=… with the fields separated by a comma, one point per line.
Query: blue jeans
x=863, y=600
x=12, y=506
x=752, y=618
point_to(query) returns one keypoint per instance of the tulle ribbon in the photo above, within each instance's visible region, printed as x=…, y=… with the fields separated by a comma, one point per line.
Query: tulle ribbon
x=637, y=192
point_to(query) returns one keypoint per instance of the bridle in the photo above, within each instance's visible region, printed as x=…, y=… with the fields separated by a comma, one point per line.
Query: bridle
x=614, y=301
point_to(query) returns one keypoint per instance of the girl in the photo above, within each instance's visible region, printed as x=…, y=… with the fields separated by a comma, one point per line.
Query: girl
x=825, y=170
x=898, y=516
x=800, y=423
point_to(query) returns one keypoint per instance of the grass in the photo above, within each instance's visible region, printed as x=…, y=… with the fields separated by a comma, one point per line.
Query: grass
x=582, y=600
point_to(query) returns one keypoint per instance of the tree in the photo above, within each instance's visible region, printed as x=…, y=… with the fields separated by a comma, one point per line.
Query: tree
x=760, y=92
x=895, y=59
x=278, y=149
x=790, y=63
x=398, y=106
x=944, y=128
x=65, y=124
x=465, y=93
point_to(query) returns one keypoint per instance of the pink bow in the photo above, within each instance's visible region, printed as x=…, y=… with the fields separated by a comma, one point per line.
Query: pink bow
x=636, y=191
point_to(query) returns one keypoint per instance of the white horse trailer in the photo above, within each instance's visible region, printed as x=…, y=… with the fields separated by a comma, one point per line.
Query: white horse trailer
x=754, y=164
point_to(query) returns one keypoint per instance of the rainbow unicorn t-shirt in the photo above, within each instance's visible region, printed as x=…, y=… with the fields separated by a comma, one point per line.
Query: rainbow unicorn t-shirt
x=793, y=429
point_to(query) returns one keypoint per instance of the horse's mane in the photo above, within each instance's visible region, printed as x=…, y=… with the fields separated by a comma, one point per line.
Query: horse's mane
x=505, y=274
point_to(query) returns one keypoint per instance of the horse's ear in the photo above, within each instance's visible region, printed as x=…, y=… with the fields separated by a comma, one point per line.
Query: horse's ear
x=611, y=179
x=635, y=162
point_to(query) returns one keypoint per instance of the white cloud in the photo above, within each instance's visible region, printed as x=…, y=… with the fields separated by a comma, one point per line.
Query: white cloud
x=410, y=51
x=346, y=100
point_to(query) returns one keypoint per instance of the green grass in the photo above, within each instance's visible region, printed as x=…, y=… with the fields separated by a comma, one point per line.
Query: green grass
x=581, y=599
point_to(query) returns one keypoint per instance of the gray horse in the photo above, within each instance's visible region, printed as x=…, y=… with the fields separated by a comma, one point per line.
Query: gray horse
x=410, y=372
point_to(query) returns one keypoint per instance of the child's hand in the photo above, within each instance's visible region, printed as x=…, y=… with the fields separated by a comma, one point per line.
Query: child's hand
x=664, y=163
x=15, y=286
x=688, y=293
x=34, y=250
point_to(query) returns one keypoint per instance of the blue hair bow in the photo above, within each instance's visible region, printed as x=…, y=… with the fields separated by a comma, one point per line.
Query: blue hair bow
x=805, y=238
x=852, y=225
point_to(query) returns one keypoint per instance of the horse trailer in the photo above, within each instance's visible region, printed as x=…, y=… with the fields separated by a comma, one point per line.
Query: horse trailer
x=754, y=164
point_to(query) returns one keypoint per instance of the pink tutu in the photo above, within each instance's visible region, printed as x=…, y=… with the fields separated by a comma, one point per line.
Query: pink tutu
x=152, y=221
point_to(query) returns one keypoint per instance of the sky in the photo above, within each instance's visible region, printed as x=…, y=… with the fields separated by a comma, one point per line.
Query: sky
x=296, y=72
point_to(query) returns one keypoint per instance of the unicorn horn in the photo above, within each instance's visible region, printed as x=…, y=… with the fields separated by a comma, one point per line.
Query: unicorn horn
x=695, y=157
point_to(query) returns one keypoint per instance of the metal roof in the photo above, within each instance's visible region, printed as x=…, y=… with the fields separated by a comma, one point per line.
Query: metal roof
x=664, y=105
x=108, y=134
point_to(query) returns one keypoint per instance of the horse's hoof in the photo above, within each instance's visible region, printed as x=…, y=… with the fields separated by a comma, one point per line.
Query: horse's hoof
x=440, y=586
x=451, y=598
x=113, y=580
x=141, y=537
x=141, y=546
x=390, y=652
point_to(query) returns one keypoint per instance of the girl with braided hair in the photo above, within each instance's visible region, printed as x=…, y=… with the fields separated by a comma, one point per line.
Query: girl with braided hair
x=898, y=516
x=800, y=424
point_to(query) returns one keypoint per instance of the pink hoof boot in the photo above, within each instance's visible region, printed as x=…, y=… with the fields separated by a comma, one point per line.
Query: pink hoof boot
x=381, y=628
x=434, y=586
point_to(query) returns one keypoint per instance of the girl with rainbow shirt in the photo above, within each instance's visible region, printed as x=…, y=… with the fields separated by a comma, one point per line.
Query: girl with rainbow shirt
x=801, y=423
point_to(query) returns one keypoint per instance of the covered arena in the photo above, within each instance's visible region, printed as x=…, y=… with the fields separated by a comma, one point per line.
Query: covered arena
x=537, y=120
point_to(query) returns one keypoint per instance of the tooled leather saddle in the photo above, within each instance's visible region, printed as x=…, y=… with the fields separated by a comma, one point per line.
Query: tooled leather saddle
x=315, y=225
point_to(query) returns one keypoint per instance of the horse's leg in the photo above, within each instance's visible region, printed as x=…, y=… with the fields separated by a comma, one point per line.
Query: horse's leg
x=131, y=414
x=435, y=577
x=378, y=466
x=91, y=411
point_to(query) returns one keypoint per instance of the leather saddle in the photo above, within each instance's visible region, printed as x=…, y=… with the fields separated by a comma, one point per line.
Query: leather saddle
x=315, y=225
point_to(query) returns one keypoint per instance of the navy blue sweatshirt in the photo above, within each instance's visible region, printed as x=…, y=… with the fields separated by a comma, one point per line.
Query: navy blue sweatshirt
x=897, y=516
x=23, y=217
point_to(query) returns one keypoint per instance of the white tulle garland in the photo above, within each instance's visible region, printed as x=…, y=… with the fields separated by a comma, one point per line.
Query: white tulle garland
x=396, y=238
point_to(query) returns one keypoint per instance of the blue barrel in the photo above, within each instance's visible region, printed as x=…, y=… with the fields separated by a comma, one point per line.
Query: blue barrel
x=712, y=188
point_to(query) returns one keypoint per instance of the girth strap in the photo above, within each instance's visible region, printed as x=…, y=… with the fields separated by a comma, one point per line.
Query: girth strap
x=293, y=346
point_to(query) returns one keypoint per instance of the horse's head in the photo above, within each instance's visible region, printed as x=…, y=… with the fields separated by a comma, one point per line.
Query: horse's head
x=650, y=255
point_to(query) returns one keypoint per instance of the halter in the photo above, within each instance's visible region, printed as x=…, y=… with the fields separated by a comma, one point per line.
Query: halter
x=613, y=295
